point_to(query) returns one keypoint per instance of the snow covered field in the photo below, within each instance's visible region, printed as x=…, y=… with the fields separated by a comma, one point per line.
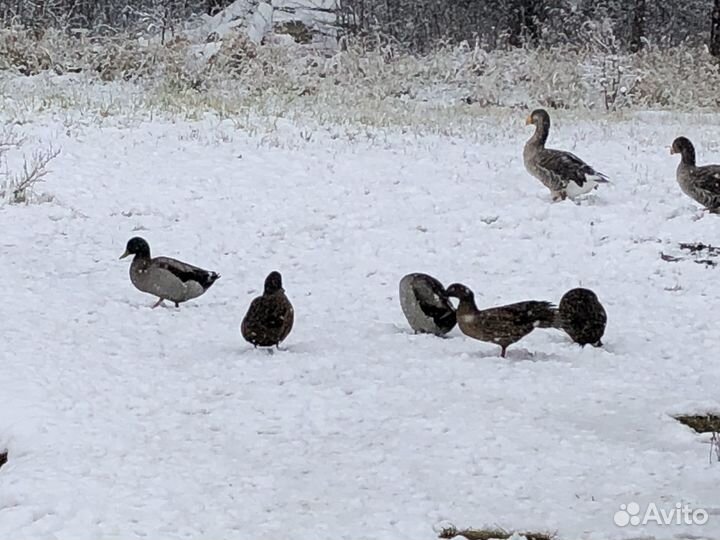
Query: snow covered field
x=126, y=422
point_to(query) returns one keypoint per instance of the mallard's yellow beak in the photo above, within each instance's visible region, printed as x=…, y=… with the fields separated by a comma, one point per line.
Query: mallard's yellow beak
x=528, y=120
x=126, y=254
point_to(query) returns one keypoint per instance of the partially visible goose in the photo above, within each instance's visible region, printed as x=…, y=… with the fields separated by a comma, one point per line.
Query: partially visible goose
x=699, y=183
x=426, y=304
x=563, y=173
x=270, y=317
x=583, y=317
x=166, y=278
x=502, y=325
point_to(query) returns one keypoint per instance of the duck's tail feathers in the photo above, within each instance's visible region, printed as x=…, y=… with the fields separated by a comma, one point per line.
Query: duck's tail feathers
x=545, y=315
x=598, y=177
x=210, y=278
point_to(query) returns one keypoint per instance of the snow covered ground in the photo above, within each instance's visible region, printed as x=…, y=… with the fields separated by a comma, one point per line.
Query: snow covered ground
x=126, y=422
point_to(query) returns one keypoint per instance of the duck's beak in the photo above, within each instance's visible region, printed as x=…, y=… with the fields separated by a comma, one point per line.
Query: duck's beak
x=528, y=120
x=672, y=150
x=126, y=254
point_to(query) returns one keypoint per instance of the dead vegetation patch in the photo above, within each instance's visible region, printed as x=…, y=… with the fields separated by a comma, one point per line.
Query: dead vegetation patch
x=492, y=533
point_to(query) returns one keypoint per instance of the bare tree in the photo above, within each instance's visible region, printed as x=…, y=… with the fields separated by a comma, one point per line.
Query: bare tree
x=526, y=26
x=715, y=29
x=637, y=29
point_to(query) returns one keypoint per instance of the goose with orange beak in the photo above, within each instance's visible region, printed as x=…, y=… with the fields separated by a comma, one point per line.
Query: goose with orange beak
x=702, y=184
x=563, y=173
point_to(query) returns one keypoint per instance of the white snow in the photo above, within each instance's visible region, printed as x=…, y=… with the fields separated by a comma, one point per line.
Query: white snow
x=126, y=422
x=256, y=18
x=261, y=22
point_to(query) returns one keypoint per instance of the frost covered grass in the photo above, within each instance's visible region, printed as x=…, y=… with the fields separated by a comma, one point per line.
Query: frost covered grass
x=19, y=184
x=443, y=92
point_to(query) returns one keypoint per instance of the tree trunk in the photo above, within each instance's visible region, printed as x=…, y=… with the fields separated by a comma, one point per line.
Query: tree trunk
x=214, y=6
x=638, y=29
x=525, y=25
x=715, y=30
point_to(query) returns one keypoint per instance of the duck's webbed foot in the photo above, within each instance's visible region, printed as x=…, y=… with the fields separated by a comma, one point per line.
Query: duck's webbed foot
x=160, y=302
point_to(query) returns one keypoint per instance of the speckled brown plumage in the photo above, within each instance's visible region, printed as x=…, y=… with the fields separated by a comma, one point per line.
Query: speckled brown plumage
x=583, y=317
x=699, y=183
x=270, y=317
x=503, y=325
x=563, y=173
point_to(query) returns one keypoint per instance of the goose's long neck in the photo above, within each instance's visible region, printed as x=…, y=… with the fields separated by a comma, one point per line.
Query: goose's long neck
x=541, y=134
x=688, y=156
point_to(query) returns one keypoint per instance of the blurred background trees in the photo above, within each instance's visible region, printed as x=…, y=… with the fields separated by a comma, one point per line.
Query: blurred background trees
x=419, y=25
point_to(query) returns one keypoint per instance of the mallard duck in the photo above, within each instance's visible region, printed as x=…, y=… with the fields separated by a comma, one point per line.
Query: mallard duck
x=583, y=317
x=563, y=173
x=269, y=318
x=166, y=278
x=699, y=183
x=426, y=305
x=502, y=325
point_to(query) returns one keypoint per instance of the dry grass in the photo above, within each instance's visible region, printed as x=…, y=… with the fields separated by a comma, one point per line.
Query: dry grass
x=443, y=92
x=705, y=423
x=490, y=534
x=19, y=186
x=708, y=423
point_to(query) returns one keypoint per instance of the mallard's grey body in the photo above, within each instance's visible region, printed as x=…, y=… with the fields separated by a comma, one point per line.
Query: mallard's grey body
x=166, y=278
x=699, y=183
x=503, y=325
x=563, y=173
x=426, y=304
x=270, y=317
x=583, y=317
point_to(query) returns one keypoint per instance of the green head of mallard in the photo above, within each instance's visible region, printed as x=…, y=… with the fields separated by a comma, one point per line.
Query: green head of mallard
x=136, y=246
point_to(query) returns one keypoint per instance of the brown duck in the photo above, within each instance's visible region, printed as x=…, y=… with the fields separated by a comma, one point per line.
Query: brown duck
x=563, y=173
x=699, y=183
x=583, y=317
x=270, y=317
x=502, y=325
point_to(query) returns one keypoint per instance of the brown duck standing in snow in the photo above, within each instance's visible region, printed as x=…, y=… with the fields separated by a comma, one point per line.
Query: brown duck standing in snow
x=270, y=317
x=583, y=317
x=699, y=183
x=502, y=325
x=563, y=173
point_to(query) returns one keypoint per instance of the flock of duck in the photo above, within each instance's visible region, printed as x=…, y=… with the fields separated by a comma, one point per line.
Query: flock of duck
x=425, y=302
